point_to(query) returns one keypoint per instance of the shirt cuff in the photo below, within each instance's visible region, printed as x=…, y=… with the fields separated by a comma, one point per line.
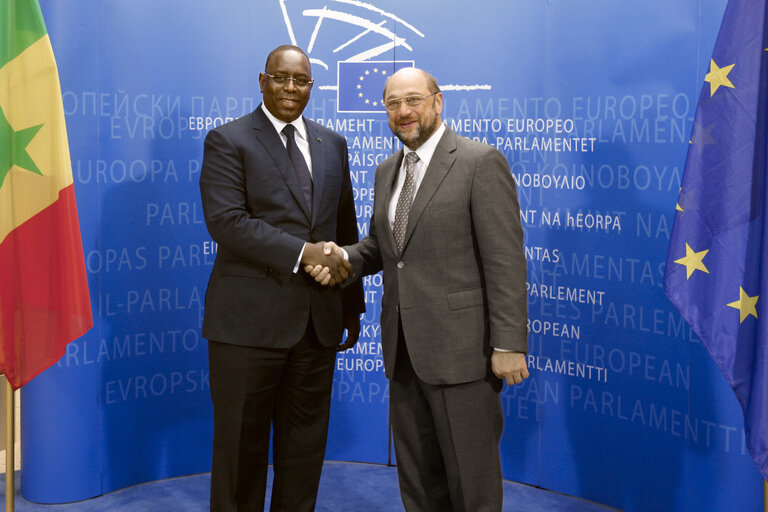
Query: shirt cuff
x=298, y=261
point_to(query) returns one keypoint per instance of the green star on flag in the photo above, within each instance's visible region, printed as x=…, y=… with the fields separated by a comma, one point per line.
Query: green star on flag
x=16, y=143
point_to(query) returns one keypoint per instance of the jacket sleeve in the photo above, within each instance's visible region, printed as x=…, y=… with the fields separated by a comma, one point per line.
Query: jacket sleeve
x=346, y=234
x=496, y=222
x=224, y=197
x=365, y=256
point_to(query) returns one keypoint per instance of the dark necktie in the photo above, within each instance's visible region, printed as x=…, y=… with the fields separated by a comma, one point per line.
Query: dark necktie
x=404, y=201
x=299, y=163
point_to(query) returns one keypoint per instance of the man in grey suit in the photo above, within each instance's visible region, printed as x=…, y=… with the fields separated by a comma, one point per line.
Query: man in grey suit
x=446, y=231
x=274, y=184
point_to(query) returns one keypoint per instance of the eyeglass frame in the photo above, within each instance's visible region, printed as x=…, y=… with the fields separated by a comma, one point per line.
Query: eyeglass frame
x=400, y=101
x=281, y=79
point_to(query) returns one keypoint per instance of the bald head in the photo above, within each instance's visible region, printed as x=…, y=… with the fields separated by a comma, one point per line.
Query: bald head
x=284, y=48
x=414, y=76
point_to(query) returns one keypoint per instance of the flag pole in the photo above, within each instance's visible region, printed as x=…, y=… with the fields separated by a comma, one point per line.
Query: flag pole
x=765, y=496
x=10, y=459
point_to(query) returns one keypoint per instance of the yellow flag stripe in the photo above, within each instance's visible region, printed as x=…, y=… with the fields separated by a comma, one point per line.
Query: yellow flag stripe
x=30, y=95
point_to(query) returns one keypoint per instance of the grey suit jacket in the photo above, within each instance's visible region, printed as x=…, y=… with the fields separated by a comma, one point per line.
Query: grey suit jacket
x=458, y=287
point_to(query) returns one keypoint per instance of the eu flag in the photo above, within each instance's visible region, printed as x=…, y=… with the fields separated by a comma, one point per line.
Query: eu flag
x=716, y=268
x=361, y=84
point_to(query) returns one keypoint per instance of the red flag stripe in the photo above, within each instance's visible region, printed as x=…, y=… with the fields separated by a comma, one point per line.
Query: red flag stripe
x=44, y=301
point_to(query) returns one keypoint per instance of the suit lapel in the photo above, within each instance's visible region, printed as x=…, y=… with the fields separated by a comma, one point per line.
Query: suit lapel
x=267, y=135
x=317, y=153
x=439, y=166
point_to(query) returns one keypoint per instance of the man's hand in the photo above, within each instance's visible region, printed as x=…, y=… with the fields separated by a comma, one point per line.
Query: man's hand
x=352, y=325
x=510, y=366
x=336, y=269
x=322, y=274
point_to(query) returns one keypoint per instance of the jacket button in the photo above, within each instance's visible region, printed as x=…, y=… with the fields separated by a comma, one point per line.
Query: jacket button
x=400, y=264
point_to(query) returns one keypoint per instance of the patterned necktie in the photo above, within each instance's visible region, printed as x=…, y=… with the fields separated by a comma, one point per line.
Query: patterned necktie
x=299, y=164
x=405, y=200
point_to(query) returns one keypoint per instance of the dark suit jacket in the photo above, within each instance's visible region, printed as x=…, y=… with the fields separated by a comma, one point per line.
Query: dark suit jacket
x=254, y=208
x=458, y=286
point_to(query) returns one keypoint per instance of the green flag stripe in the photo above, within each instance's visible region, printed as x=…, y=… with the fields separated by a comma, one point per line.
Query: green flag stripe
x=21, y=24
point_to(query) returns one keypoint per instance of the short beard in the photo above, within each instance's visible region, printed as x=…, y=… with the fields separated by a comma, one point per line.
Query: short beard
x=421, y=136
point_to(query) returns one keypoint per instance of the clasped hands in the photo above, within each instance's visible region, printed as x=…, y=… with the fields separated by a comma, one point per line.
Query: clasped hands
x=325, y=262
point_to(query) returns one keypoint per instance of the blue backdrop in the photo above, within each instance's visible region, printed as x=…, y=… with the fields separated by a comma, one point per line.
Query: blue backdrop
x=591, y=101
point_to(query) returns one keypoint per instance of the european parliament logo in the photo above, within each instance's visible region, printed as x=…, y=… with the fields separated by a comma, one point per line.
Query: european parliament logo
x=361, y=84
x=353, y=33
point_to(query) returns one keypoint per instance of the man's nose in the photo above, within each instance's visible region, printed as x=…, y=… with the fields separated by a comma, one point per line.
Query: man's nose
x=404, y=109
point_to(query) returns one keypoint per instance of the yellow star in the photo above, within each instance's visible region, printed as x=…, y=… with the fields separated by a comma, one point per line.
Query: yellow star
x=383, y=72
x=361, y=78
x=375, y=70
x=367, y=72
x=359, y=95
x=745, y=305
x=717, y=77
x=693, y=261
x=367, y=101
x=359, y=86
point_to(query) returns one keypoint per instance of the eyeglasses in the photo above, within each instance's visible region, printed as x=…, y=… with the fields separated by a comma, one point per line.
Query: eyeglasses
x=412, y=101
x=299, y=81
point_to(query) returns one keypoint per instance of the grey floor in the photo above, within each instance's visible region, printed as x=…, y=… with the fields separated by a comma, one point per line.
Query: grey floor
x=345, y=487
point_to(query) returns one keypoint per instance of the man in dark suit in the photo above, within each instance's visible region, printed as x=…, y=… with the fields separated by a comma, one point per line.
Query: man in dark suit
x=446, y=231
x=273, y=184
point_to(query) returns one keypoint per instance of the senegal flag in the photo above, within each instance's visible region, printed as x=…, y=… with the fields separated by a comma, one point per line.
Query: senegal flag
x=44, y=302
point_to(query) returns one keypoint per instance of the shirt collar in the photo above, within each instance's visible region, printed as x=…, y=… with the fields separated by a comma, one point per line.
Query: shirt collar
x=297, y=123
x=426, y=150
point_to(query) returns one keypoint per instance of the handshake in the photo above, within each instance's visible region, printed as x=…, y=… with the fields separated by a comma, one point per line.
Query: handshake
x=325, y=262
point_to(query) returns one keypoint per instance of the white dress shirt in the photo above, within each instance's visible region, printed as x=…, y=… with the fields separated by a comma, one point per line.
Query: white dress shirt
x=425, y=152
x=301, y=134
